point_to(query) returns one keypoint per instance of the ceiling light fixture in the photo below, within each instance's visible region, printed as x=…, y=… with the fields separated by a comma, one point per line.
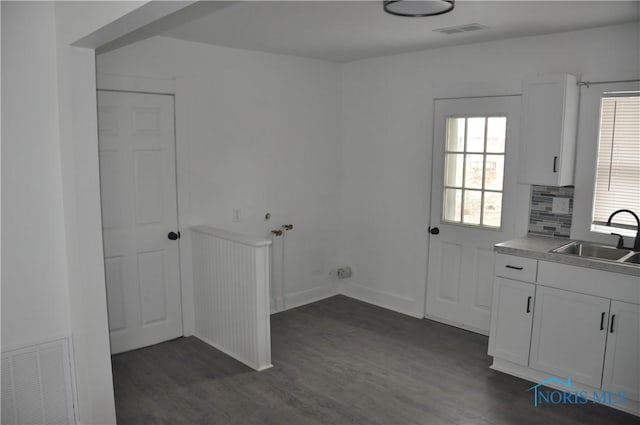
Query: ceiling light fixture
x=418, y=8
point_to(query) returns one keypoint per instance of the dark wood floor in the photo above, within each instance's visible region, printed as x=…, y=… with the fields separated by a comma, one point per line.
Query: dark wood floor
x=337, y=361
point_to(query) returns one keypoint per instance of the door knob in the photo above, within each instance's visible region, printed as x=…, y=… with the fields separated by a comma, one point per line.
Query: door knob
x=434, y=230
x=173, y=236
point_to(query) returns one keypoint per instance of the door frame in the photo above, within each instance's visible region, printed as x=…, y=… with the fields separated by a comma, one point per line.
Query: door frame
x=522, y=198
x=78, y=140
x=169, y=86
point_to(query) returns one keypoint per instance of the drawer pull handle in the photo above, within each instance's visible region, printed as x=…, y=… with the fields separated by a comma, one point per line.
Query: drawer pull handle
x=529, y=304
x=555, y=164
x=613, y=317
x=602, y=320
x=514, y=267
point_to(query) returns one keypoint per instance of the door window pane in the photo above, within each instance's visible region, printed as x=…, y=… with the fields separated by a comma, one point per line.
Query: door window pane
x=454, y=168
x=492, y=209
x=452, y=205
x=472, y=206
x=494, y=172
x=496, y=134
x=474, y=170
x=475, y=134
x=455, y=134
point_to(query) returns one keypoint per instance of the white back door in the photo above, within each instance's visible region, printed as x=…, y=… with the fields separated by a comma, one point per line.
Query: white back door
x=472, y=205
x=139, y=210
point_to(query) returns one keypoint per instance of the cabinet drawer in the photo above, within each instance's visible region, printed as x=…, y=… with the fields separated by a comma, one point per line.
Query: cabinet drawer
x=518, y=268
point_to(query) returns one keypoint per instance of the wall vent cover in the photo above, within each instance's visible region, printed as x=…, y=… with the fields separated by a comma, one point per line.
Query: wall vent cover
x=36, y=385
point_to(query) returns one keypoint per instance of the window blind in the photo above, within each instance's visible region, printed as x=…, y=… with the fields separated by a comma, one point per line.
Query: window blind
x=618, y=171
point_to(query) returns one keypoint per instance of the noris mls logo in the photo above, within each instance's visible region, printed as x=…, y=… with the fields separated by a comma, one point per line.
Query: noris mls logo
x=569, y=395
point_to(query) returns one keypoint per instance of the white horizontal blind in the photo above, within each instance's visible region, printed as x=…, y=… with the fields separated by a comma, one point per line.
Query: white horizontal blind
x=618, y=170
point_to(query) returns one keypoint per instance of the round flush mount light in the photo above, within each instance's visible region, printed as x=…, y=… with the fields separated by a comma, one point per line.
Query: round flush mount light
x=418, y=8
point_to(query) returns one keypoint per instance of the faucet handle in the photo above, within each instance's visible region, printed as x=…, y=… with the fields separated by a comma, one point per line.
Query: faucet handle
x=620, y=244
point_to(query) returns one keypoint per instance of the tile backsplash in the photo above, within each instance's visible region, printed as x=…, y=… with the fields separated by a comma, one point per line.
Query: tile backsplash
x=541, y=220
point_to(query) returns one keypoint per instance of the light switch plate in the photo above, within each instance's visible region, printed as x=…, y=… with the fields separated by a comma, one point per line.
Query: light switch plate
x=560, y=205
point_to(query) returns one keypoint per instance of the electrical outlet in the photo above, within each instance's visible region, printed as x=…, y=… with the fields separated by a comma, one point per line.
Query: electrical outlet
x=560, y=205
x=237, y=216
x=344, y=272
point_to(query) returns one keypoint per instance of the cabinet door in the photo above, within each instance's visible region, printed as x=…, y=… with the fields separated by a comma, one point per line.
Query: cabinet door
x=511, y=318
x=569, y=335
x=622, y=357
x=549, y=120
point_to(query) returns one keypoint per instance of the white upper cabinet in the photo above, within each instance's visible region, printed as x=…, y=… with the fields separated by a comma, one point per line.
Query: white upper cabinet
x=548, y=131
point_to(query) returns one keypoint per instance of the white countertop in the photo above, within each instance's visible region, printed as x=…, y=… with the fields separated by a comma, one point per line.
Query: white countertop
x=539, y=247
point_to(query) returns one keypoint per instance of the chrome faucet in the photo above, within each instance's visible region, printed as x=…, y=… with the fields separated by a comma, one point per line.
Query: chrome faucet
x=636, y=243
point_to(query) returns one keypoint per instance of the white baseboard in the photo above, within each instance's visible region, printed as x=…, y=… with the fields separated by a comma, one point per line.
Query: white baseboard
x=241, y=359
x=351, y=289
x=382, y=299
x=307, y=296
x=484, y=332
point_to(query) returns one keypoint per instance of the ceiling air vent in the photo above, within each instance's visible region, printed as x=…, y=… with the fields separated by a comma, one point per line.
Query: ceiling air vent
x=462, y=28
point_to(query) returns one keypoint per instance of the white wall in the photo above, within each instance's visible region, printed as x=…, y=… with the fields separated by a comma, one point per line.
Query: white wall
x=79, y=155
x=262, y=134
x=248, y=111
x=387, y=130
x=384, y=169
x=52, y=280
x=76, y=20
x=35, y=297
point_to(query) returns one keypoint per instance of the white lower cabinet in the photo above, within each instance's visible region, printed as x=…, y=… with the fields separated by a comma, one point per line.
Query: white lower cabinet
x=511, y=318
x=622, y=358
x=569, y=335
x=552, y=319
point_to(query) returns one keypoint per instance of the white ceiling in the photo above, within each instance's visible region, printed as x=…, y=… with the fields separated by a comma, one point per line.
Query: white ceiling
x=344, y=31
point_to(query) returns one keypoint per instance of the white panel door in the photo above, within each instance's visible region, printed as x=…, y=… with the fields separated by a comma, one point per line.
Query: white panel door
x=622, y=357
x=138, y=192
x=472, y=205
x=511, y=320
x=569, y=335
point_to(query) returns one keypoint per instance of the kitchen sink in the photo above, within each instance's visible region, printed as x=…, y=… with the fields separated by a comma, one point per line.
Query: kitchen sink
x=592, y=250
x=633, y=259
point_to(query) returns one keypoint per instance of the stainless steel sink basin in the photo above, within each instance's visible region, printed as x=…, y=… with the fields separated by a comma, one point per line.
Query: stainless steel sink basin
x=633, y=259
x=592, y=250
